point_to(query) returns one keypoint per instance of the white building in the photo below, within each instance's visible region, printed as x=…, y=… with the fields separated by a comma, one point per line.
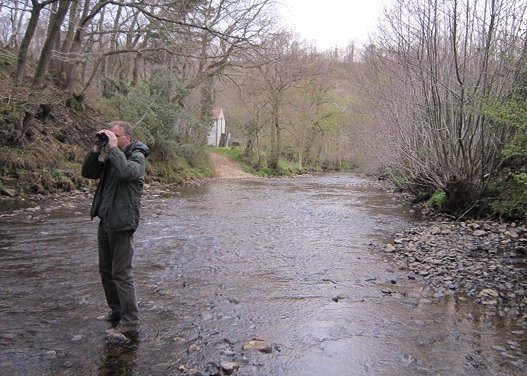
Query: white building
x=217, y=136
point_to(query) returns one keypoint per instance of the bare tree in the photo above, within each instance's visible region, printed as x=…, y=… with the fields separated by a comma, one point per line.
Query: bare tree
x=279, y=72
x=315, y=117
x=119, y=43
x=12, y=13
x=440, y=64
x=290, y=105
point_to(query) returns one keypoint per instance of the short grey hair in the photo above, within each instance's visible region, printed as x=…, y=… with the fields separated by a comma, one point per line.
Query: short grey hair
x=126, y=126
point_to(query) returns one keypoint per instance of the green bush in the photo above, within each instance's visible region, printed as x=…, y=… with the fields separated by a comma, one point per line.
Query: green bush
x=149, y=106
x=437, y=200
x=268, y=171
x=347, y=166
x=195, y=155
x=507, y=198
x=290, y=168
x=170, y=134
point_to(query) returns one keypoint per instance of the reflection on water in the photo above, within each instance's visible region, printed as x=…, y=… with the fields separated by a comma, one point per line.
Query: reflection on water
x=118, y=359
x=285, y=261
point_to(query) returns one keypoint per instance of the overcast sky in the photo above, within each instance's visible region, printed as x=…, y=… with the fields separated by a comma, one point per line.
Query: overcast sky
x=330, y=23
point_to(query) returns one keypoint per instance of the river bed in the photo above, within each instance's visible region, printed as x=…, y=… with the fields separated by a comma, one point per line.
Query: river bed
x=244, y=277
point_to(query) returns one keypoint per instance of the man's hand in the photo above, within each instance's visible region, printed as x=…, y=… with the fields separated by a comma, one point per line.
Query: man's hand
x=112, y=141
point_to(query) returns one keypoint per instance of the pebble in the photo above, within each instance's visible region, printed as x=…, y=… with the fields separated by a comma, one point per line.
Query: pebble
x=233, y=300
x=481, y=259
x=50, y=354
x=194, y=348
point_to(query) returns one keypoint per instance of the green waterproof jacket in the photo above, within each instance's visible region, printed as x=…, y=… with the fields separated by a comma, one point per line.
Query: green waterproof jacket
x=121, y=181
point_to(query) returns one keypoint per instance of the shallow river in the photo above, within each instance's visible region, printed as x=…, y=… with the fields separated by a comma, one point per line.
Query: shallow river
x=285, y=262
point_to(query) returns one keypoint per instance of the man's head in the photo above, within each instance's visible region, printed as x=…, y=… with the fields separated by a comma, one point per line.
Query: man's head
x=123, y=132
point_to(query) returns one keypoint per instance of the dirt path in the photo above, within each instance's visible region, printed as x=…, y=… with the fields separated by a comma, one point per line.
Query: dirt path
x=227, y=169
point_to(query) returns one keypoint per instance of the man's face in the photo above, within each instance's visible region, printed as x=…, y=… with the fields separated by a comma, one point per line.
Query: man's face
x=123, y=140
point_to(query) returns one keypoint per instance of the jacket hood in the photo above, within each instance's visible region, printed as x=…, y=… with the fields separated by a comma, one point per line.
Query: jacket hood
x=140, y=147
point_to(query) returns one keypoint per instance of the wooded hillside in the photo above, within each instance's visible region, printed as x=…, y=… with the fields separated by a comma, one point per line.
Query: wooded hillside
x=437, y=101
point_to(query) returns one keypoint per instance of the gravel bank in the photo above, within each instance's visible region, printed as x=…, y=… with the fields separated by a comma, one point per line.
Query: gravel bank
x=486, y=261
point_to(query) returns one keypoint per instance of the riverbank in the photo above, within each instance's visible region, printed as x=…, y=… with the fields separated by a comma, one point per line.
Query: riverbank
x=483, y=260
x=223, y=167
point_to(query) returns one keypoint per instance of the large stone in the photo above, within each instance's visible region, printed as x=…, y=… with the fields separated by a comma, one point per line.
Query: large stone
x=389, y=248
x=229, y=368
x=486, y=293
x=257, y=344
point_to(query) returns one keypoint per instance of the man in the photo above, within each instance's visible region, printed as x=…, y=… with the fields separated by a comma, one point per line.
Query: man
x=116, y=202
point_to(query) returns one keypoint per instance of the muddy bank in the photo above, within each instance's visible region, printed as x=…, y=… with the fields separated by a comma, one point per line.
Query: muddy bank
x=483, y=260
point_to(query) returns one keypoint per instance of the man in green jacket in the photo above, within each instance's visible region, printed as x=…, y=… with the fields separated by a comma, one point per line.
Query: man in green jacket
x=116, y=202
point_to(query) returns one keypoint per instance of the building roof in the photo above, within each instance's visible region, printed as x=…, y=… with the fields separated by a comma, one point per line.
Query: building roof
x=217, y=112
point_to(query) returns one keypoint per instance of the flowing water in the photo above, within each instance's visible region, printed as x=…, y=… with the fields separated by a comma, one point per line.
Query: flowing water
x=285, y=262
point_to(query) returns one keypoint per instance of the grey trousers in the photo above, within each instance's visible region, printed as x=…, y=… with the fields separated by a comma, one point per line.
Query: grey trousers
x=115, y=267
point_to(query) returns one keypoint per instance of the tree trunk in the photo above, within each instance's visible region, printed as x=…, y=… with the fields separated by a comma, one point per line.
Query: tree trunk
x=66, y=47
x=16, y=24
x=460, y=198
x=275, y=138
x=70, y=70
x=45, y=55
x=26, y=41
x=43, y=62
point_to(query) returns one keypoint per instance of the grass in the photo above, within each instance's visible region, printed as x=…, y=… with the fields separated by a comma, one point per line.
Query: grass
x=177, y=171
x=285, y=167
